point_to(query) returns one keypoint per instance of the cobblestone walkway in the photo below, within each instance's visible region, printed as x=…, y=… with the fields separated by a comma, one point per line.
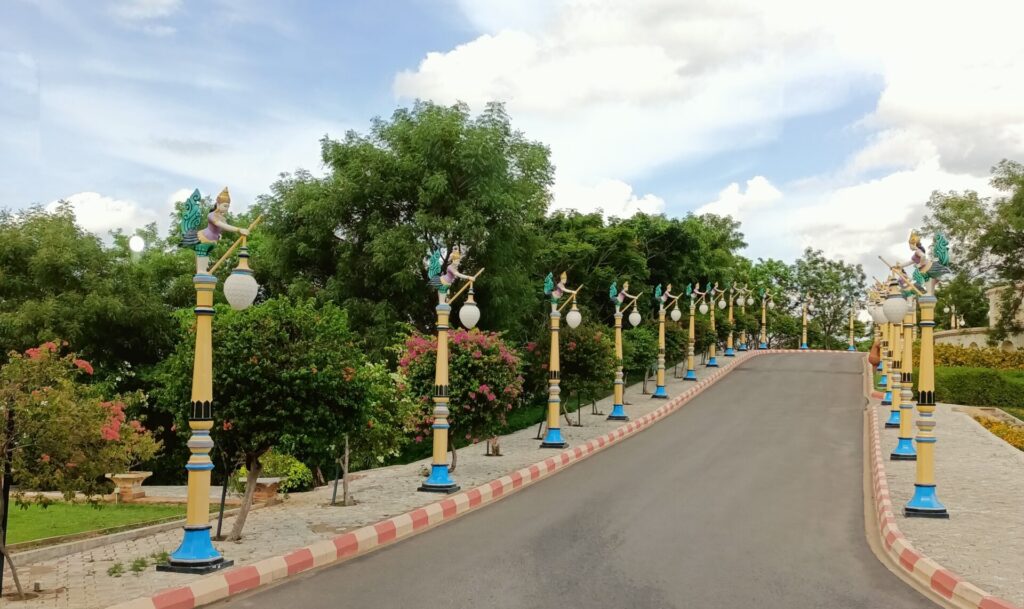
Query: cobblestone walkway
x=80, y=581
x=980, y=479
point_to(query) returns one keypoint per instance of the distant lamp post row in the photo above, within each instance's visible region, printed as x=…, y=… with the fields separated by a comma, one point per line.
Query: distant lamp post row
x=927, y=272
x=852, y=346
x=954, y=321
x=620, y=298
x=729, y=350
x=691, y=372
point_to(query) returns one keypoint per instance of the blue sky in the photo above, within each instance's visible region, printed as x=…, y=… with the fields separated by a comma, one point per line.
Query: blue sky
x=813, y=129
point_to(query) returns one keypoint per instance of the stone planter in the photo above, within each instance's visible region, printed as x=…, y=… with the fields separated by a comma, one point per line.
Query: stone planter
x=129, y=485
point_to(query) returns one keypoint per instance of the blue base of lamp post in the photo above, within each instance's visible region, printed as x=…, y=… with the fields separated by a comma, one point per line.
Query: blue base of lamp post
x=553, y=439
x=439, y=481
x=762, y=346
x=803, y=346
x=712, y=363
x=196, y=554
x=660, y=393
x=883, y=380
x=894, y=419
x=743, y=347
x=879, y=367
x=924, y=503
x=691, y=375
x=618, y=413
x=730, y=352
x=904, y=451
x=851, y=348
x=887, y=400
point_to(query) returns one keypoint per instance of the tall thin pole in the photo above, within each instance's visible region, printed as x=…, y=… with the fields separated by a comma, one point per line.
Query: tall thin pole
x=925, y=502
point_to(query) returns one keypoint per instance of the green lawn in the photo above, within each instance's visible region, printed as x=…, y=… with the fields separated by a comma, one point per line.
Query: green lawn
x=1015, y=411
x=37, y=522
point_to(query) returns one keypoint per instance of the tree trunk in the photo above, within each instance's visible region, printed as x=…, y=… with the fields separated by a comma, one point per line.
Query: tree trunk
x=455, y=459
x=255, y=468
x=346, y=498
x=14, y=570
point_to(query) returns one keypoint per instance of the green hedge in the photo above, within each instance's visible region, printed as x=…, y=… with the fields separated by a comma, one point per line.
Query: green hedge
x=977, y=387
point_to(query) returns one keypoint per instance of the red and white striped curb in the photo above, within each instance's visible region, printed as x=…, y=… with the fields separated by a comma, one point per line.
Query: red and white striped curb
x=234, y=581
x=924, y=570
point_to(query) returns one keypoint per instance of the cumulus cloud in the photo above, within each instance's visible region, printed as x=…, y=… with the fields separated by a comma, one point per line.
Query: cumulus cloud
x=732, y=201
x=101, y=214
x=614, y=198
x=141, y=10
x=622, y=90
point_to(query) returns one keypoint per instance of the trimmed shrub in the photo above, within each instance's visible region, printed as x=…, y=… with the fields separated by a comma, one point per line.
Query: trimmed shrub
x=639, y=350
x=295, y=476
x=976, y=387
x=957, y=356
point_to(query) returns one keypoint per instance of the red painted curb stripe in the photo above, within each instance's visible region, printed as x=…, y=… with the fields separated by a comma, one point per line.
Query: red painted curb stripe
x=944, y=582
x=347, y=544
x=242, y=579
x=175, y=598
x=386, y=532
x=298, y=561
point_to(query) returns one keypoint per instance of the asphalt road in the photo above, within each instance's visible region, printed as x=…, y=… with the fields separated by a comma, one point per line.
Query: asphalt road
x=750, y=496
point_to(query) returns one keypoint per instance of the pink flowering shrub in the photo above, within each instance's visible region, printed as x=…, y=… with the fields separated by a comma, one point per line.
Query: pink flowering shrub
x=484, y=383
x=66, y=436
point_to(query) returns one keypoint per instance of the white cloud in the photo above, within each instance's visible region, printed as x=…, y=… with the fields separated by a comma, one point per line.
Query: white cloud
x=732, y=201
x=141, y=10
x=622, y=90
x=100, y=214
x=614, y=198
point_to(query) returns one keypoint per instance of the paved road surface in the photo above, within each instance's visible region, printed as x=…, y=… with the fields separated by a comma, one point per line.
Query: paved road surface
x=750, y=496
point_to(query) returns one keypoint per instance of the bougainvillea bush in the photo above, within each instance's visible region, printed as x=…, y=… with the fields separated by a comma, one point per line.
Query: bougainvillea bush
x=66, y=436
x=484, y=383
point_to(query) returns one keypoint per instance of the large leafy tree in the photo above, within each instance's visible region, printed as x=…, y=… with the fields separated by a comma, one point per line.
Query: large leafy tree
x=289, y=374
x=987, y=237
x=431, y=177
x=58, y=282
x=833, y=286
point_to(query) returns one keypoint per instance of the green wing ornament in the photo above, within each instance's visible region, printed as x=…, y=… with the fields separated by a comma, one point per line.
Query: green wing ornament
x=613, y=291
x=190, y=219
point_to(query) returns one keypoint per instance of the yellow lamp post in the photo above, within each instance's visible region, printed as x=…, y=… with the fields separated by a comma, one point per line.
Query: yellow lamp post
x=691, y=372
x=766, y=303
x=619, y=298
x=196, y=553
x=713, y=296
x=554, y=439
x=852, y=346
x=744, y=300
x=900, y=316
x=439, y=480
x=808, y=306
x=663, y=299
x=729, y=350
x=925, y=502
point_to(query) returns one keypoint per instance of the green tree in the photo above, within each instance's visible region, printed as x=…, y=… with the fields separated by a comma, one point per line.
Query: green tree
x=288, y=373
x=833, y=285
x=987, y=238
x=58, y=282
x=432, y=177
x=967, y=297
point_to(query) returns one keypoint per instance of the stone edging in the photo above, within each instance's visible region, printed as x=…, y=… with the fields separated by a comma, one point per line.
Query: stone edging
x=922, y=569
x=217, y=586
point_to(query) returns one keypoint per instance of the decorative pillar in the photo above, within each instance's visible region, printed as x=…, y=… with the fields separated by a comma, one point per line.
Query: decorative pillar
x=852, y=347
x=196, y=553
x=659, y=390
x=440, y=480
x=764, y=322
x=712, y=350
x=691, y=373
x=803, y=335
x=553, y=439
x=743, y=313
x=925, y=503
x=904, y=367
x=618, y=411
x=729, y=351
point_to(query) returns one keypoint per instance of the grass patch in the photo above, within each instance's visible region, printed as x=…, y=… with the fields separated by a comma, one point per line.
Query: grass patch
x=37, y=522
x=1016, y=411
